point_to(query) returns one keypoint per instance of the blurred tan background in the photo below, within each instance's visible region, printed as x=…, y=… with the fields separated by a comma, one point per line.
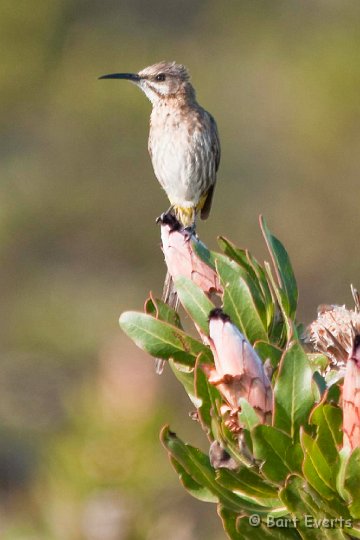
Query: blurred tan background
x=80, y=406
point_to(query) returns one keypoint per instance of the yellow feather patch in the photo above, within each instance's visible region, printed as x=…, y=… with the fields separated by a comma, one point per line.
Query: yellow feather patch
x=186, y=215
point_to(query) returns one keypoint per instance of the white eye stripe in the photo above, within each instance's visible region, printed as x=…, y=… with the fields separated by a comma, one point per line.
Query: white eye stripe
x=158, y=89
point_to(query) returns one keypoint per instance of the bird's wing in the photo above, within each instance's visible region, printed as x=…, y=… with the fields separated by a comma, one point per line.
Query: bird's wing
x=205, y=211
x=215, y=142
x=216, y=152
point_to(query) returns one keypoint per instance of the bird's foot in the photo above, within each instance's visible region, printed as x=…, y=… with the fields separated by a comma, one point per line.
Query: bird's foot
x=167, y=218
x=189, y=232
x=170, y=219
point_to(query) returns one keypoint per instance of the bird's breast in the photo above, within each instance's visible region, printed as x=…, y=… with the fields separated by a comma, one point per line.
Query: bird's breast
x=180, y=150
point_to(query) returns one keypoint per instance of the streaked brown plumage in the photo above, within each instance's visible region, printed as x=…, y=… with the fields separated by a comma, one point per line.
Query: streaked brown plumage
x=183, y=144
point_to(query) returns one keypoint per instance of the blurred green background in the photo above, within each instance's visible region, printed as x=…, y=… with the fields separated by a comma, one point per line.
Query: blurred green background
x=80, y=406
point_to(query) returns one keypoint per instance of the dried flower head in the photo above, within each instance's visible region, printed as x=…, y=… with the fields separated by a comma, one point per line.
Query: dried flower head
x=332, y=333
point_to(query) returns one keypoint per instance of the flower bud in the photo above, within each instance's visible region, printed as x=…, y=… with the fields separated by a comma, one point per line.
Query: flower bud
x=181, y=258
x=351, y=397
x=238, y=372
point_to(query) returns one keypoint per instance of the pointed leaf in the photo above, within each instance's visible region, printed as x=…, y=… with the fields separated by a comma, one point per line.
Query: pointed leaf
x=318, y=472
x=307, y=510
x=241, y=301
x=320, y=386
x=282, y=329
x=247, y=415
x=195, y=302
x=229, y=519
x=196, y=490
x=161, y=339
x=206, y=395
x=293, y=395
x=344, y=455
x=162, y=311
x=328, y=420
x=270, y=446
x=185, y=376
x=255, y=270
x=248, y=482
x=236, y=254
x=197, y=465
x=283, y=269
x=207, y=256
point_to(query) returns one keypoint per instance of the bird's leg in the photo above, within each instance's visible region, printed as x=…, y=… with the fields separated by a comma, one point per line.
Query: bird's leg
x=176, y=222
x=190, y=230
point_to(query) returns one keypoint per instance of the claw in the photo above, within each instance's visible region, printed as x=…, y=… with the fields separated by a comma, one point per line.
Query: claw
x=189, y=232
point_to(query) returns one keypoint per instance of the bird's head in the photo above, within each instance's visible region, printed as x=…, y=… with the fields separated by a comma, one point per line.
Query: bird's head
x=161, y=81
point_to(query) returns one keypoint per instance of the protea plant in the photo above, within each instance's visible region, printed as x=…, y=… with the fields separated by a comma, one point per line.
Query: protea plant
x=282, y=416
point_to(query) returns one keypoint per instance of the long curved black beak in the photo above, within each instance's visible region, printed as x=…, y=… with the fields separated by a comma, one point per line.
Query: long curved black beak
x=134, y=77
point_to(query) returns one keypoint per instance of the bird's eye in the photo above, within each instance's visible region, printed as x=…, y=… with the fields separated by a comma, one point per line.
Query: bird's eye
x=160, y=77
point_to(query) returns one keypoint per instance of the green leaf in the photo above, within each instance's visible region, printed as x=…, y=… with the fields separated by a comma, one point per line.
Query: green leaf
x=333, y=394
x=318, y=472
x=204, y=254
x=185, y=376
x=318, y=362
x=271, y=446
x=229, y=519
x=294, y=458
x=352, y=482
x=268, y=351
x=197, y=465
x=162, y=311
x=283, y=269
x=195, y=302
x=241, y=300
x=282, y=329
x=266, y=529
x=255, y=271
x=161, y=339
x=206, y=395
x=307, y=509
x=248, y=482
x=344, y=455
x=328, y=420
x=353, y=531
x=320, y=385
x=238, y=255
x=242, y=452
x=247, y=415
x=293, y=397
x=196, y=490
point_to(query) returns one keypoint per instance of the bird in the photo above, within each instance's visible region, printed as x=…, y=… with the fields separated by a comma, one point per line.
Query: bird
x=183, y=144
